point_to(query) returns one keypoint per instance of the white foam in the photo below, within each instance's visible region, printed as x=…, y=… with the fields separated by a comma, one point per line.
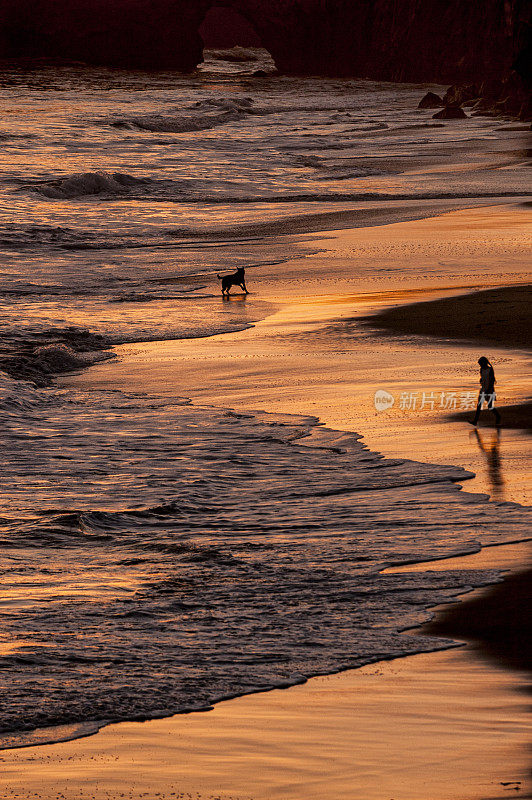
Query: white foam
x=237, y=54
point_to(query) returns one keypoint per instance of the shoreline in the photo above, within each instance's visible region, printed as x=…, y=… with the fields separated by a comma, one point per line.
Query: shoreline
x=378, y=734
x=313, y=356
x=506, y=562
x=312, y=316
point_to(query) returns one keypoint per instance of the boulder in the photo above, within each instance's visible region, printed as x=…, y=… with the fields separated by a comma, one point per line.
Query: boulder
x=431, y=100
x=450, y=112
x=458, y=94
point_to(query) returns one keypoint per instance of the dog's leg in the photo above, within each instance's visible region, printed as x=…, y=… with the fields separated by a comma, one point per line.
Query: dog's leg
x=243, y=287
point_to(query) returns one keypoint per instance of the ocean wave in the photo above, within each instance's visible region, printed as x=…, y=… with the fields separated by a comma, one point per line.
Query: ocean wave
x=235, y=551
x=203, y=115
x=342, y=170
x=88, y=183
x=115, y=186
x=57, y=358
x=17, y=236
x=20, y=236
x=40, y=355
x=17, y=395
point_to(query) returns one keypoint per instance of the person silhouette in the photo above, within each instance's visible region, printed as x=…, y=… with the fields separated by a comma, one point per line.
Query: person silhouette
x=487, y=391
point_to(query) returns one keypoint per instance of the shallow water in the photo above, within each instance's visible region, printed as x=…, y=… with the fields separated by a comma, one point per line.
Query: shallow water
x=157, y=556
x=122, y=194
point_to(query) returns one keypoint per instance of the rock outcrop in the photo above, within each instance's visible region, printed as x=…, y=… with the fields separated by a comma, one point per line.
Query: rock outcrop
x=402, y=40
x=460, y=95
x=450, y=112
x=431, y=100
x=446, y=41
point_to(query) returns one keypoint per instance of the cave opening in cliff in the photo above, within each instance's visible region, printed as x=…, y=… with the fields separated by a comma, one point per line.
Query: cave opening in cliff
x=224, y=29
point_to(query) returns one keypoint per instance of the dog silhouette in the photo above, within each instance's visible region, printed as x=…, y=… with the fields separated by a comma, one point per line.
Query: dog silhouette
x=234, y=279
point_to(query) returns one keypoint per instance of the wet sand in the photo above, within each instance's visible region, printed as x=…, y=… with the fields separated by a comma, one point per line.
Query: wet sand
x=440, y=726
x=449, y=725
x=313, y=356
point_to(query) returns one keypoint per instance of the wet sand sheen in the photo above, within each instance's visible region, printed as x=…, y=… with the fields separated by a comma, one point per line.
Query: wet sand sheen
x=164, y=190
x=364, y=733
x=313, y=357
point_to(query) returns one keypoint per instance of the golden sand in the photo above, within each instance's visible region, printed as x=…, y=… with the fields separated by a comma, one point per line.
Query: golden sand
x=313, y=357
x=444, y=726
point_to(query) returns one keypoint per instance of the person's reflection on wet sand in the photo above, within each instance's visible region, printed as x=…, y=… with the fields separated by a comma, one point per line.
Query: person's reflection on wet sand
x=491, y=450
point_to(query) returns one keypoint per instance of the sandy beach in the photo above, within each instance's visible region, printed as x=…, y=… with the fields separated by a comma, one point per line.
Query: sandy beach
x=313, y=355
x=451, y=725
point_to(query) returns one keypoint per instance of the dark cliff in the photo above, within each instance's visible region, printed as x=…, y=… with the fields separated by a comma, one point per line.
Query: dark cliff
x=399, y=40
x=402, y=40
x=151, y=34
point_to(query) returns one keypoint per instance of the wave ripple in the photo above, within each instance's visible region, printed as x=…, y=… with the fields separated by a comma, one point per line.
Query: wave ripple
x=199, y=116
x=159, y=557
x=89, y=183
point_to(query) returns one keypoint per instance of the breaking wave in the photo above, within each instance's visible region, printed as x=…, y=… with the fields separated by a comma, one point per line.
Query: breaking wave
x=236, y=54
x=17, y=395
x=203, y=115
x=23, y=237
x=109, y=186
x=89, y=183
x=39, y=356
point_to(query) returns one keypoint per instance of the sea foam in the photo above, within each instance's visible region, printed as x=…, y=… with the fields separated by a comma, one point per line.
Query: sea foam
x=170, y=555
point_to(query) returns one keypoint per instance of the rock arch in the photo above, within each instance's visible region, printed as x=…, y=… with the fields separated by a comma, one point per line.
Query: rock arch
x=413, y=40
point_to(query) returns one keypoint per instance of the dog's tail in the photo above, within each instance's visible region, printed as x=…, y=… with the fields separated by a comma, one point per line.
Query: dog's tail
x=220, y=277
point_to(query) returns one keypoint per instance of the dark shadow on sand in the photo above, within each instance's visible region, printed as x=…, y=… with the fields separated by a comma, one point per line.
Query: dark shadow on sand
x=499, y=621
x=501, y=317
x=517, y=417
